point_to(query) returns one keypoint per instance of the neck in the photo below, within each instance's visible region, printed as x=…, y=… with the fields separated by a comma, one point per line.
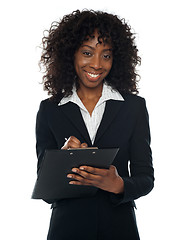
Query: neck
x=89, y=93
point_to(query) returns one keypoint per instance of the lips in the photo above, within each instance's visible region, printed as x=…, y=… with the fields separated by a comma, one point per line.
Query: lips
x=93, y=76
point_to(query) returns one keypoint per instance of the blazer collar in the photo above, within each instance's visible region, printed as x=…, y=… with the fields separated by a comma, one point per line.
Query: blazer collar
x=73, y=113
x=112, y=108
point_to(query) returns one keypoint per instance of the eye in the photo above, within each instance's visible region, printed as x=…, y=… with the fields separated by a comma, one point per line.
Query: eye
x=107, y=56
x=87, y=53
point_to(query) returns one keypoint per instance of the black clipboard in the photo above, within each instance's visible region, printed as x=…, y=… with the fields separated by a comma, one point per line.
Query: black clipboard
x=52, y=181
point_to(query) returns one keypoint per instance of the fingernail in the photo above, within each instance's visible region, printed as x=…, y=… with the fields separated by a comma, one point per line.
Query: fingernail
x=69, y=176
x=74, y=170
x=82, y=168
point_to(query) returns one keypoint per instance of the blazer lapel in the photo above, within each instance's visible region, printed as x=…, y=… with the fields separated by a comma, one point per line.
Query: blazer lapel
x=73, y=113
x=111, y=110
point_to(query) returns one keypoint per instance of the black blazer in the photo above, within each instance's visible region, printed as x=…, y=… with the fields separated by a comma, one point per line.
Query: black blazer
x=124, y=125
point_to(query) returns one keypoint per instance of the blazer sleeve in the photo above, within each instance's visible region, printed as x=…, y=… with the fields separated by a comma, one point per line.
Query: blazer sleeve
x=141, y=179
x=44, y=136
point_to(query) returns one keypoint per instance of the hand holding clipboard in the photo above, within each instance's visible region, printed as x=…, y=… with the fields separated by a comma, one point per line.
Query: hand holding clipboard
x=52, y=181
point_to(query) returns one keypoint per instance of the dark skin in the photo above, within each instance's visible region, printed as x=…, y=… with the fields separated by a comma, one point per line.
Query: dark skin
x=93, y=62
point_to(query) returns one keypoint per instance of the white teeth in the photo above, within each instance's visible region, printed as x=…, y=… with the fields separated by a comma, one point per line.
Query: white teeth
x=93, y=75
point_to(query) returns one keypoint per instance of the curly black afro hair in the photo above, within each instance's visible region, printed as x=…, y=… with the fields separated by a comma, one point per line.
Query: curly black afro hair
x=67, y=35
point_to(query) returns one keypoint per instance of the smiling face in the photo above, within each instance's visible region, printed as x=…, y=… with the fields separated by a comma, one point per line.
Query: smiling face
x=93, y=62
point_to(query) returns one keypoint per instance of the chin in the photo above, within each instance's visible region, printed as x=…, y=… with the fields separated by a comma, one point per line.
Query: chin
x=93, y=84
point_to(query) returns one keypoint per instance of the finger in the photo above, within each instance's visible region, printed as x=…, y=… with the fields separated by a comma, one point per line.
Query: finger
x=80, y=183
x=72, y=142
x=75, y=177
x=74, y=139
x=84, y=145
x=79, y=180
x=86, y=175
x=94, y=171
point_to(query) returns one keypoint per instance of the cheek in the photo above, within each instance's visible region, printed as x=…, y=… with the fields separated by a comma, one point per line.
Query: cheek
x=83, y=62
x=109, y=66
x=80, y=63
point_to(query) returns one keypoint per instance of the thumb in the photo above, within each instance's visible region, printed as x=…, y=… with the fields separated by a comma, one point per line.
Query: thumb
x=112, y=168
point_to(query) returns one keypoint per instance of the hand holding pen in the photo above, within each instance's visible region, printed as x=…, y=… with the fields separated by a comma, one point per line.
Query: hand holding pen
x=73, y=142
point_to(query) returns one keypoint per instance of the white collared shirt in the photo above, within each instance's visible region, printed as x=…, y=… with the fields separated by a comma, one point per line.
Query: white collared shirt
x=92, y=121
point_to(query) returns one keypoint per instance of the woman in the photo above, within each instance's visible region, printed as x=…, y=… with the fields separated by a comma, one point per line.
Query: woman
x=90, y=59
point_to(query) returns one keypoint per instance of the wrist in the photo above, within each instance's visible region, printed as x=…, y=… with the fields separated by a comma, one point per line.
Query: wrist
x=120, y=186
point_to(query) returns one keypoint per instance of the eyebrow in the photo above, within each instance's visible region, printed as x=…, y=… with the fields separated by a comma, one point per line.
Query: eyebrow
x=109, y=49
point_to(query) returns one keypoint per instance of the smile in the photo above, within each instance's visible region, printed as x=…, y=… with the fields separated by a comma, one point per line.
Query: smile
x=93, y=76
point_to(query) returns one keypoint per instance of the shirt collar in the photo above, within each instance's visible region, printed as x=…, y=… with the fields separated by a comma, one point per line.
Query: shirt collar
x=72, y=98
x=108, y=93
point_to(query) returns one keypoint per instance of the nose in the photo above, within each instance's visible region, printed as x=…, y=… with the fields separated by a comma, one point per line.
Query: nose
x=96, y=62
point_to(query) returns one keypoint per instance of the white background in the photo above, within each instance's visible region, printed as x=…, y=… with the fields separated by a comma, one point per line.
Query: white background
x=161, y=39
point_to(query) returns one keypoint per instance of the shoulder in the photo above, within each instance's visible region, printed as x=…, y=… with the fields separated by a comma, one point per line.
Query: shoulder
x=134, y=104
x=47, y=107
x=133, y=99
x=48, y=103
